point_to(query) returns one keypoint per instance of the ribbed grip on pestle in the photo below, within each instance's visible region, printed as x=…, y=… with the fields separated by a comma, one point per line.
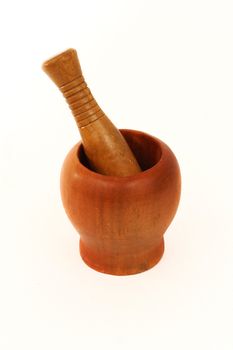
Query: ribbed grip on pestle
x=66, y=73
x=81, y=102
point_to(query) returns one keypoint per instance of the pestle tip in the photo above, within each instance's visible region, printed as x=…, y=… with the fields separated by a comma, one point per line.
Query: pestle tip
x=63, y=56
x=63, y=67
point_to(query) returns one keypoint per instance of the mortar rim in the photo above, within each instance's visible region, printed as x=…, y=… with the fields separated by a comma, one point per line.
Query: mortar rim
x=124, y=179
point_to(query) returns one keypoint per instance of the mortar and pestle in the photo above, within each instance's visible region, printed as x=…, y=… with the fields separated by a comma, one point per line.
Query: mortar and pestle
x=119, y=188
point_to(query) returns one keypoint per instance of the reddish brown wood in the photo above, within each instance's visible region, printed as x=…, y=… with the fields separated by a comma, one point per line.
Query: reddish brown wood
x=105, y=147
x=122, y=220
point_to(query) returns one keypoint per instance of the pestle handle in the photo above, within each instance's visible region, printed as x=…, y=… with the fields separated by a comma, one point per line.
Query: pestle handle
x=104, y=145
x=63, y=68
x=65, y=71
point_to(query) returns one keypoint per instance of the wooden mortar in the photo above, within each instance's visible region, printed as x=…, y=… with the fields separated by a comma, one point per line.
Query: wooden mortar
x=122, y=220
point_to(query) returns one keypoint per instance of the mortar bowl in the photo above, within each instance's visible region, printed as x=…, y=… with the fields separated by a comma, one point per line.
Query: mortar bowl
x=122, y=220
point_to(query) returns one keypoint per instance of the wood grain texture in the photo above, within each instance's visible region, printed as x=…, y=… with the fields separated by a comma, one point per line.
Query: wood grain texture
x=122, y=220
x=104, y=145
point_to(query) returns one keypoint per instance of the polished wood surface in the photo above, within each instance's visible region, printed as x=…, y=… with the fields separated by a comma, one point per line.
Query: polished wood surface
x=122, y=220
x=104, y=145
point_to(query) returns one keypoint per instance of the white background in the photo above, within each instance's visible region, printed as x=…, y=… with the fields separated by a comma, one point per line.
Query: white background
x=164, y=67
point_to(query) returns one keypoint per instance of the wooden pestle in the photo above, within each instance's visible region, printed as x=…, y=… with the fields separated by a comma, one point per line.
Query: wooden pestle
x=105, y=147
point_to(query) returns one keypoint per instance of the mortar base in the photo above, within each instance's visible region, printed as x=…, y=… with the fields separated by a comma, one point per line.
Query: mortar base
x=126, y=265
